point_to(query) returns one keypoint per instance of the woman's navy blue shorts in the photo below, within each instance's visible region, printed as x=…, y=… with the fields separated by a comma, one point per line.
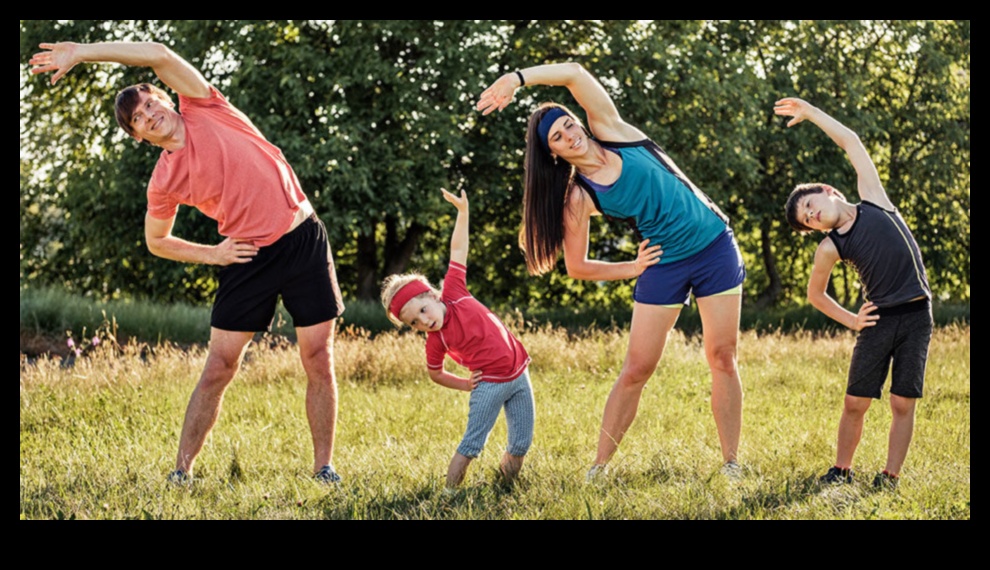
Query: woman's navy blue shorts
x=716, y=269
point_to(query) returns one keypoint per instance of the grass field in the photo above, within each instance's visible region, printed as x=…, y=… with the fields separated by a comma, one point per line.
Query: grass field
x=99, y=436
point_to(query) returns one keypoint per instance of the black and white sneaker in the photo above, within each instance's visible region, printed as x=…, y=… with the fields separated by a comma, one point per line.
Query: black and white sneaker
x=327, y=475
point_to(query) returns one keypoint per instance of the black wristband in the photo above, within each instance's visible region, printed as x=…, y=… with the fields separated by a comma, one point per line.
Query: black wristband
x=522, y=80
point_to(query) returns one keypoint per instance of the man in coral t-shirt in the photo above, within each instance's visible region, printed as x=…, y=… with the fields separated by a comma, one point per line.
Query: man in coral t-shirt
x=214, y=159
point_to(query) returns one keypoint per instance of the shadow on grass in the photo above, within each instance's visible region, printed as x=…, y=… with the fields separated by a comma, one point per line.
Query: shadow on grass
x=757, y=503
x=482, y=501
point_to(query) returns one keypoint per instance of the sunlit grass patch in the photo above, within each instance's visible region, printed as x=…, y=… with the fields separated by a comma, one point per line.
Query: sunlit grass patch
x=98, y=435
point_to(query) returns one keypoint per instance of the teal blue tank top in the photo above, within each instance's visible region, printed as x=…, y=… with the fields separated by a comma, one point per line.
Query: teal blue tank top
x=658, y=201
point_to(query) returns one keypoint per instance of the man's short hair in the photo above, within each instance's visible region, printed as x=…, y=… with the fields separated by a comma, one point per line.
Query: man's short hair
x=127, y=100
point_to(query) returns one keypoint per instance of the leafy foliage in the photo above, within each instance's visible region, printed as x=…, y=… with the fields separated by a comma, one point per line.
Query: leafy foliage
x=376, y=115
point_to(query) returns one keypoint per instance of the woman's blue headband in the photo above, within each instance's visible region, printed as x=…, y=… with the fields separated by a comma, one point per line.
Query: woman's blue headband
x=549, y=118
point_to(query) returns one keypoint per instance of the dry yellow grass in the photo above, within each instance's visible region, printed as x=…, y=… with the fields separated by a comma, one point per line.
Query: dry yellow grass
x=97, y=437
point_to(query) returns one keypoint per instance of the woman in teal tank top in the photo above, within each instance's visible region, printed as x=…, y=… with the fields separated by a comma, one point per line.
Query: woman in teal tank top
x=685, y=244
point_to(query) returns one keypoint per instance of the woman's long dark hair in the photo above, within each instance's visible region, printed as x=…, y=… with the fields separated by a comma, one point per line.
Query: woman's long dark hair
x=546, y=184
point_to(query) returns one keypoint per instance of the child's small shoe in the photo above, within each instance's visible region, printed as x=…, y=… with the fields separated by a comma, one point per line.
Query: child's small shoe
x=179, y=478
x=885, y=481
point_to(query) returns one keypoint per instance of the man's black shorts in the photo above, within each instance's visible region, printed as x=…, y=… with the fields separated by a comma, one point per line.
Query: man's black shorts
x=298, y=267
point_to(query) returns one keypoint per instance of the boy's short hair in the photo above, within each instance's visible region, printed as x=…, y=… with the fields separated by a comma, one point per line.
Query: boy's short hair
x=799, y=192
x=127, y=99
x=392, y=285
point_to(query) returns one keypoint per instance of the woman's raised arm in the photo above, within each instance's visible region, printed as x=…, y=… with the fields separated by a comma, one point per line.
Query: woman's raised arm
x=603, y=116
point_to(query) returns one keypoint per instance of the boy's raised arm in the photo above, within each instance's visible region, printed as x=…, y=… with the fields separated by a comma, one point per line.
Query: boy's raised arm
x=459, y=239
x=59, y=58
x=868, y=181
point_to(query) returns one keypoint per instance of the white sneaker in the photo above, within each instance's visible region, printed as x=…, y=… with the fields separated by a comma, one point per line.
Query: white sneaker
x=732, y=470
x=596, y=472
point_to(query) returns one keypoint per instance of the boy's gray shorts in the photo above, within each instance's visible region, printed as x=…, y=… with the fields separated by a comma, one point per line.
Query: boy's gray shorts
x=898, y=344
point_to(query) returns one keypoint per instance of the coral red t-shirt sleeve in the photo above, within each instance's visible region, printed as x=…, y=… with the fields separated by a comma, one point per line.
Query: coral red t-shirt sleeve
x=214, y=98
x=455, y=282
x=435, y=352
x=161, y=204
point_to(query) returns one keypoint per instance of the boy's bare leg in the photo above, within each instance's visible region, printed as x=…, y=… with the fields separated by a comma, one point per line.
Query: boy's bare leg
x=901, y=432
x=850, y=429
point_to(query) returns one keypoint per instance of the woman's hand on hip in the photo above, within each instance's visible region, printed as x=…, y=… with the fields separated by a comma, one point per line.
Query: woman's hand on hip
x=648, y=255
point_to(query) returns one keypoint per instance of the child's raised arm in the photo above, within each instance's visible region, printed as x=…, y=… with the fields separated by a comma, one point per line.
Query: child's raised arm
x=459, y=239
x=868, y=181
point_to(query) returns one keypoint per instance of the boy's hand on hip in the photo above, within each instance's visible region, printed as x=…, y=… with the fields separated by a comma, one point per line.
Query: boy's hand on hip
x=865, y=318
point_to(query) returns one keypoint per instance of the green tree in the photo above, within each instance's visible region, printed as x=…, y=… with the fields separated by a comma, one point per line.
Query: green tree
x=903, y=85
x=377, y=115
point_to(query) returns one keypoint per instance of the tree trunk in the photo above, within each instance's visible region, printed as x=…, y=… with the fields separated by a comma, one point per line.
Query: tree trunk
x=772, y=292
x=399, y=252
x=367, y=267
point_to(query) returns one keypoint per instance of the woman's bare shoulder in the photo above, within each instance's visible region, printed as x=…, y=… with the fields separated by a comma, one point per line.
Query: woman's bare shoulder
x=578, y=203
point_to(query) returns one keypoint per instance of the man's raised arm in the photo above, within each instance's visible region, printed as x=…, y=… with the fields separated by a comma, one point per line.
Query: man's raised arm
x=177, y=73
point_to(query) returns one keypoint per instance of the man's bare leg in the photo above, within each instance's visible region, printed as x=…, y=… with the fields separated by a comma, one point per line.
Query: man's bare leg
x=316, y=351
x=222, y=362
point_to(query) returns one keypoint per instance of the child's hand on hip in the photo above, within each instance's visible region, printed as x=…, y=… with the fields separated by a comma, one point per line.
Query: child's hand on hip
x=475, y=379
x=865, y=317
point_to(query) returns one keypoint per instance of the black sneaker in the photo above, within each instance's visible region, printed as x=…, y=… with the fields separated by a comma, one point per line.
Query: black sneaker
x=837, y=475
x=327, y=475
x=885, y=481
